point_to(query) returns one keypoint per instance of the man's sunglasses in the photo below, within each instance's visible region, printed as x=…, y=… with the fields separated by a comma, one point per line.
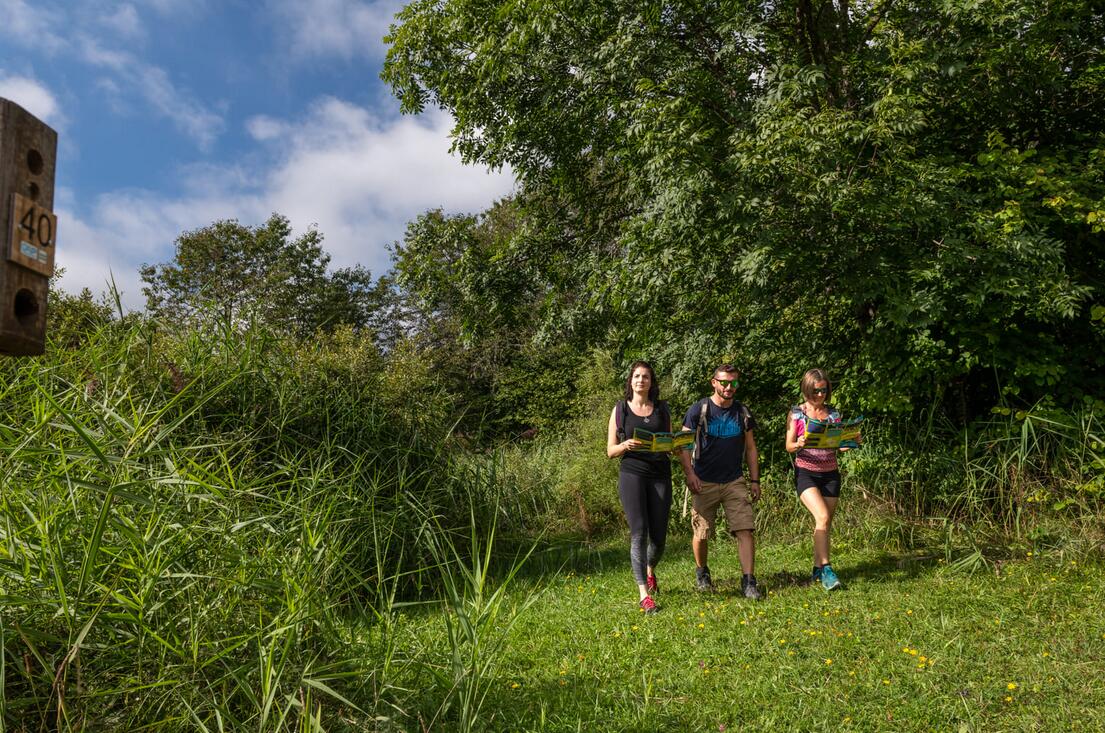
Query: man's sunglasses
x=728, y=382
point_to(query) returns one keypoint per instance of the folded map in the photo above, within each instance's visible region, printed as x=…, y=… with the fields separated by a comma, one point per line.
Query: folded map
x=663, y=442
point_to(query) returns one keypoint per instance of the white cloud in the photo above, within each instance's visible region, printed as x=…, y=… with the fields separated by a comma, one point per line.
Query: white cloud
x=362, y=179
x=356, y=176
x=31, y=24
x=156, y=89
x=41, y=29
x=344, y=28
x=124, y=21
x=176, y=7
x=262, y=128
x=32, y=96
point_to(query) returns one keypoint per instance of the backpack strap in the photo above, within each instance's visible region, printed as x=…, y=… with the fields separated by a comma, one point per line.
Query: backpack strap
x=746, y=416
x=700, y=429
x=619, y=419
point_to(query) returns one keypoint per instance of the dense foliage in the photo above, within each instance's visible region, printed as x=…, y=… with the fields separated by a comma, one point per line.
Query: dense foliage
x=193, y=525
x=231, y=272
x=910, y=194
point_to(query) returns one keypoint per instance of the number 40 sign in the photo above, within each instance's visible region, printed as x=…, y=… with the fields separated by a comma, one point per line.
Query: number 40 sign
x=33, y=230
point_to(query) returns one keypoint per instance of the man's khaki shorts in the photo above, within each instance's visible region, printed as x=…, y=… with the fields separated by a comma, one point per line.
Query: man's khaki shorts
x=733, y=497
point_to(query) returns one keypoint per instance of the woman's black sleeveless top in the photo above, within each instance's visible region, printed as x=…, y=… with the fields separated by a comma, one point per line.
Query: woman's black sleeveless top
x=639, y=462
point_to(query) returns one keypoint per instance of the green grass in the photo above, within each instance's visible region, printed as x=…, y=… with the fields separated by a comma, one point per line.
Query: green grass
x=226, y=531
x=908, y=645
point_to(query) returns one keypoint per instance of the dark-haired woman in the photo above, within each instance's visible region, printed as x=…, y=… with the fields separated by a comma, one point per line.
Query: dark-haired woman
x=644, y=479
x=817, y=475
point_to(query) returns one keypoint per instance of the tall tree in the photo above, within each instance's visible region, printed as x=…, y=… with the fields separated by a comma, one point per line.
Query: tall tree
x=910, y=193
x=263, y=273
x=473, y=303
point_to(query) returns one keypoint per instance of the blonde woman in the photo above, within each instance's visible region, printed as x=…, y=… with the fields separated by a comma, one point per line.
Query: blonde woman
x=817, y=474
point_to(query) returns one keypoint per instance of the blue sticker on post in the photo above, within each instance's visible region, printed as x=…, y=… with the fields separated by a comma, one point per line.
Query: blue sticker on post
x=28, y=250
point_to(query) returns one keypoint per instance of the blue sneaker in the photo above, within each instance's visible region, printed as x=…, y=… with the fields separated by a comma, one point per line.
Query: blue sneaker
x=829, y=581
x=815, y=576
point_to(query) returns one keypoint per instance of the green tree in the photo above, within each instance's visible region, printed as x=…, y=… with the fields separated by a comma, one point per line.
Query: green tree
x=473, y=304
x=910, y=194
x=262, y=273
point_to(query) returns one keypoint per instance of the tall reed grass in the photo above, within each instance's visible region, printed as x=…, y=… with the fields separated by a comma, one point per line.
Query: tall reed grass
x=194, y=528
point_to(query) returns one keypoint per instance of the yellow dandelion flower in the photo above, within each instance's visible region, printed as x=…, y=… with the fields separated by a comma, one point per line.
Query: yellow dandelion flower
x=909, y=612
x=1011, y=686
x=886, y=682
x=634, y=627
x=514, y=685
x=828, y=662
x=782, y=641
x=702, y=626
x=1008, y=699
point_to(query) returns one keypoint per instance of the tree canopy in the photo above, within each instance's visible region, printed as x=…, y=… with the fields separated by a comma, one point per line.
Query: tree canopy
x=263, y=273
x=909, y=193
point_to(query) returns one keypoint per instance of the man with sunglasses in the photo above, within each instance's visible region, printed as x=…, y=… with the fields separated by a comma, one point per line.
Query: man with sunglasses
x=724, y=440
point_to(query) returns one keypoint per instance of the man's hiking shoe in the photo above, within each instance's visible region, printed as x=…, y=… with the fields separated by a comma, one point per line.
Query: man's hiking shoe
x=829, y=581
x=750, y=589
x=651, y=585
x=649, y=606
x=703, y=582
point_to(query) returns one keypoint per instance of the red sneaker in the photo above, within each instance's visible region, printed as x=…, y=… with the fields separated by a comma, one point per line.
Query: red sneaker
x=651, y=585
x=649, y=606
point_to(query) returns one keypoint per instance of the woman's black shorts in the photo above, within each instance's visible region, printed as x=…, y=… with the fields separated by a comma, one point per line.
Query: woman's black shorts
x=827, y=482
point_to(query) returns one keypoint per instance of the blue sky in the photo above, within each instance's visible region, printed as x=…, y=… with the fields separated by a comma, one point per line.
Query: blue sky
x=172, y=114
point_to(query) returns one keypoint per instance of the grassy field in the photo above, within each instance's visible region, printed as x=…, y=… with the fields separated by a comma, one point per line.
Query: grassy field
x=909, y=644
x=224, y=531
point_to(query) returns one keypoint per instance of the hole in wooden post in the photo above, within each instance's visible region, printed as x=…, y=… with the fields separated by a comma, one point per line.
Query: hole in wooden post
x=33, y=191
x=26, y=307
x=34, y=161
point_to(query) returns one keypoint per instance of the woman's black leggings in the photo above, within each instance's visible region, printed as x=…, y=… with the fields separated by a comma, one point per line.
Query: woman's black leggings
x=647, y=504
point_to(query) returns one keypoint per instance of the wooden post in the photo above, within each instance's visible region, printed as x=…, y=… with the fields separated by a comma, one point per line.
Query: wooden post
x=28, y=228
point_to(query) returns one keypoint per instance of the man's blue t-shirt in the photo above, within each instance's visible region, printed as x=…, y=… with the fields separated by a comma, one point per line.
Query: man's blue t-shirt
x=721, y=457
